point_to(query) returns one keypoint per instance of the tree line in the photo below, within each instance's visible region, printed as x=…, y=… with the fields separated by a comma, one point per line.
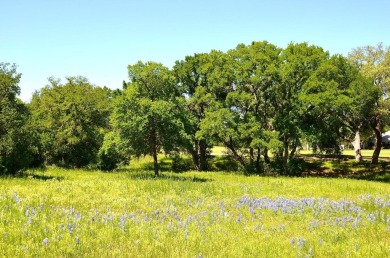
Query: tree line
x=254, y=99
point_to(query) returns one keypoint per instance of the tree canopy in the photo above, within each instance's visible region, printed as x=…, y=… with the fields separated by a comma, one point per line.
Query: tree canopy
x=253, y=99
x=71, y=119
x=17, y=145
x=147, y=114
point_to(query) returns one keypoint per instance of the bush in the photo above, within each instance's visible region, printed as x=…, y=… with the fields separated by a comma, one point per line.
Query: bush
x=296, y=166
x=110, y=156
x=224, y=163
x=180, y=163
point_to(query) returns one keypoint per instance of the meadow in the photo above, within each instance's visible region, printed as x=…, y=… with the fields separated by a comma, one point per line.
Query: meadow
x=129, y=213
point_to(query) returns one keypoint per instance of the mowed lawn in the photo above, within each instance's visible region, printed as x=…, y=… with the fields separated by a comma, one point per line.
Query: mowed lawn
x=385, y=153
x=76, y=213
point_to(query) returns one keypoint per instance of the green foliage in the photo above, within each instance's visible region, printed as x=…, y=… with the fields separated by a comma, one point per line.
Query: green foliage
x=374, y=63
x=225, y=163
x=71, y=119
x=17, y=147
x=147, y=114
x=111, y=155
x=240, y=117
x=181, y=163
x=340, y=102
x=192, y=79
x=298, y=62
x=253, y=99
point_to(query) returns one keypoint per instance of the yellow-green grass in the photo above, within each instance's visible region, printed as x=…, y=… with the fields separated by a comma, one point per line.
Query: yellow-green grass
x=129, y=213
x=385, y=153
x=219, y=150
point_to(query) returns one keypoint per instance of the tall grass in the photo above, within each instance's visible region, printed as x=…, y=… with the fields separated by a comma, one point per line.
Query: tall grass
x=130, y=213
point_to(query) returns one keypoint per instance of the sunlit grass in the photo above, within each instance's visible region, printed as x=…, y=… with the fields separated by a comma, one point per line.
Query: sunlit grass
x=385, y=153
x=219, y=150
x=130, y=213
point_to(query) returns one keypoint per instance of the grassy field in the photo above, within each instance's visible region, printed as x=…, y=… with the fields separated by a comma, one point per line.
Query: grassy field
x=385, y=153
x=129, y=213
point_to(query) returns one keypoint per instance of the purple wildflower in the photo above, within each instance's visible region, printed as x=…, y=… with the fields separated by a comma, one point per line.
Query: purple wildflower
x=16, y=198
x=45, y=241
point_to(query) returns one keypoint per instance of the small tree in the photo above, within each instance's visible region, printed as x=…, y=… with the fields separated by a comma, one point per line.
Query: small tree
x=147, y=114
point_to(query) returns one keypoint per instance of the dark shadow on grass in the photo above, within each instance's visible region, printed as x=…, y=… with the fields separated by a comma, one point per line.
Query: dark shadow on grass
x=30, y=175
x=45, y=178
x=150, y=176
x=316, y=166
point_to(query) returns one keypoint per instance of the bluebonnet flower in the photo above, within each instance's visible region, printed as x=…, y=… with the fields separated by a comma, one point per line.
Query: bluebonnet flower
x=77, y=216
x=16, y=198
x=70, y=228
x=123, y=222
x=301, y=242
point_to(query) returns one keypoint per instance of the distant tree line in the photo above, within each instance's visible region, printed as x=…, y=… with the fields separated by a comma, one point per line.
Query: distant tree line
x=254, y=99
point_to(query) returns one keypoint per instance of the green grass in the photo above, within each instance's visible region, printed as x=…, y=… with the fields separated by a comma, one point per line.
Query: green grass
x=219, y=150
x=130, y=213
x=385, y=153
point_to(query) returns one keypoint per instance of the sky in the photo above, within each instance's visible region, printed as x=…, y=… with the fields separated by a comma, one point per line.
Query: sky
x=99, y=39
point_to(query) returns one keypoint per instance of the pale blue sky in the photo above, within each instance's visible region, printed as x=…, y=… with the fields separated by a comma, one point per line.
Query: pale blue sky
x=98, y=39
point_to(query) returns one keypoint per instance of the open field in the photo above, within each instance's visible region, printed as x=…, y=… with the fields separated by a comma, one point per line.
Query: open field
x=129, y=213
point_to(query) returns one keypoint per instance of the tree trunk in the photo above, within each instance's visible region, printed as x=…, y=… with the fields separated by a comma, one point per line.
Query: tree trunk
x=356, y=147
x=251, y=157
x=293, y=150
x=258, y=161
x=155, y=159
x=235, y=154
x=203, y=155
x=266, y=157
x=285, y=155
x=375, y=125
x=195, y=155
